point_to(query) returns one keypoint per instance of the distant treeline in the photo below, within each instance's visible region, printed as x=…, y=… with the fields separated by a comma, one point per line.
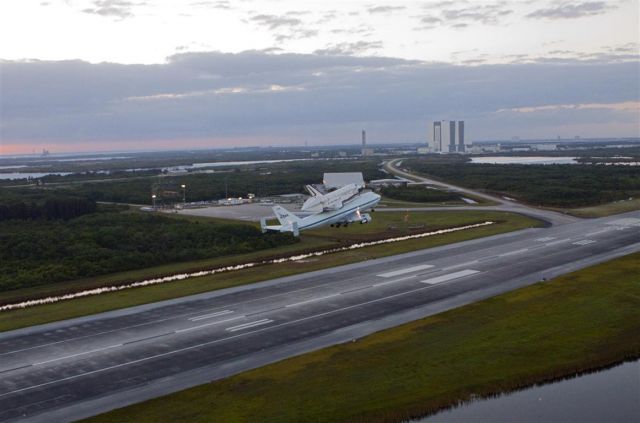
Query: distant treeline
x=547, y=185
x=49, y=208
x=419, y=194
x=262, y=180
x=41, y=252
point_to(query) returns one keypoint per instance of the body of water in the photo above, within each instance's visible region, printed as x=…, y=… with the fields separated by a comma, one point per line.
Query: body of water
x=24, y=175
x=611, y=395
x=524, y=160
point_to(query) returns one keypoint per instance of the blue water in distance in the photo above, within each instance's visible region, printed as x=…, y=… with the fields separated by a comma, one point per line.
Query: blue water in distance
x=611, y=395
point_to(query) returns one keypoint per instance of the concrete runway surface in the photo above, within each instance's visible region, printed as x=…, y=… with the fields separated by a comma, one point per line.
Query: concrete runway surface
x=77, y=368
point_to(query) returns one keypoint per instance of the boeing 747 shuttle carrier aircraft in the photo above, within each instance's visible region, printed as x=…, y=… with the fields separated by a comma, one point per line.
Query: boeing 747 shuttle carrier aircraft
x=339, y=207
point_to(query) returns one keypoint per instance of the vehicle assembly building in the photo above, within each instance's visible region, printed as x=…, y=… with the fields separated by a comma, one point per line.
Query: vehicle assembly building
x=447, y=136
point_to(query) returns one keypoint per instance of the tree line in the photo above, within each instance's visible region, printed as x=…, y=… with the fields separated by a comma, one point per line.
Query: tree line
x=38, y=252
x=49, y=208
x=546, y=185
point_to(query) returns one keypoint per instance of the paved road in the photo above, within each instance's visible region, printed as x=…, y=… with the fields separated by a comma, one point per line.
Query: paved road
x=72, y=369
x=504, y=204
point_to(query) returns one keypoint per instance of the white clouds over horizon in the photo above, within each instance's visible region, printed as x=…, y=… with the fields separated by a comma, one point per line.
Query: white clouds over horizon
x=289, y=98
x=94, y=72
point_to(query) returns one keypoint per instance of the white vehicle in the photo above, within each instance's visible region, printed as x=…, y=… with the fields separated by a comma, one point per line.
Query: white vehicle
x=333, y=200
x=351, y=211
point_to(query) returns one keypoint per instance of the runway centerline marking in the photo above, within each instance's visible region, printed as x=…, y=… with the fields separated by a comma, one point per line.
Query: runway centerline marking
x=465, y=264
x=249, y=325
x=209, y=316
x=405, y=271
x=598, y=232
x=78, y=354
x=210, y=324
x=512, y=253
x=312, y=300
x=406, y=278
x=545, y=239
x=450, y=276
x=560, y=241
x=356, y=289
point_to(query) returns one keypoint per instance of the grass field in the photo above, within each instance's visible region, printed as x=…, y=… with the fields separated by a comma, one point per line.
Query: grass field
x=580, y=321
x=322, y=237
x=606, y=209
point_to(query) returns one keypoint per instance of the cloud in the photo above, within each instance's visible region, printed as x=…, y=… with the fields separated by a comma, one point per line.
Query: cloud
x=349, y=48
x=112, y=8
x=385, y=9
x=274, y=22
x=572, y=10
x=285, y=27
x=321, y=97
x=218, y=4
x=489, y=14
x=462, y=14
x=626, y=106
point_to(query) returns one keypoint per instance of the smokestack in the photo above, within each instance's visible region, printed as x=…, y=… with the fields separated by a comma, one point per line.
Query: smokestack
x=364, y=138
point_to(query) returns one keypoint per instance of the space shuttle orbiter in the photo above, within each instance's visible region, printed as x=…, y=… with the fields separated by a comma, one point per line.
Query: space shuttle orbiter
x=333, y=200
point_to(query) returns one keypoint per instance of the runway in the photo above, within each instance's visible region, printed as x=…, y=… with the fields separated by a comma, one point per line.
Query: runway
x=73, y=369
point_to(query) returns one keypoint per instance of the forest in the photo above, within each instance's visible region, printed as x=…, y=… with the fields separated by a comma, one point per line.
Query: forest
x=42, y=251
x=545, y=185
x=44, y=206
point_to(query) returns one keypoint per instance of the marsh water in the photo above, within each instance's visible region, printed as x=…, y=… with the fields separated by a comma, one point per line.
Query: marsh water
x=611, y=395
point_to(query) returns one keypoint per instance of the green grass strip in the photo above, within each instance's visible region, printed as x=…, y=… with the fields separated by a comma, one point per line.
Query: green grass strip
x=584, y=320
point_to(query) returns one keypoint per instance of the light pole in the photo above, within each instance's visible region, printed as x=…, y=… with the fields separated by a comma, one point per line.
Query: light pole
x=184, y=194
x=153, y=198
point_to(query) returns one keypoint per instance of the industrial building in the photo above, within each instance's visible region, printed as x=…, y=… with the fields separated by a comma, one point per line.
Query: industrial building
x=448, y=136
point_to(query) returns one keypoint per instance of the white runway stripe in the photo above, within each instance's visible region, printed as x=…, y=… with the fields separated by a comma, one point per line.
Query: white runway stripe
x=407, y=270
x=511, y=253
x=312, y=300
x=249, y=325
x=450, y=276
x=208, y=316
x=560, y=241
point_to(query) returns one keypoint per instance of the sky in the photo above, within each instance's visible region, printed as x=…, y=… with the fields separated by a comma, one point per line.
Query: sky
x=100, y=75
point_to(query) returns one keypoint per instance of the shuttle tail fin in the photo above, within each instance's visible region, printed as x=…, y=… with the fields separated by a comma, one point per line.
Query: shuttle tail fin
x=313, y=191
x=284, y=216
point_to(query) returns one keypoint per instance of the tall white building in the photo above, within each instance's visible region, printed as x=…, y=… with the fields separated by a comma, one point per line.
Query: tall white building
x=447, y=136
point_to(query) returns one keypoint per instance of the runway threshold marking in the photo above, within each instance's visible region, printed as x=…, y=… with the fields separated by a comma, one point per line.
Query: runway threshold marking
x=209, y=316
x=450, y=276
x=512, y=253
x=249, y=325
x=404, y=271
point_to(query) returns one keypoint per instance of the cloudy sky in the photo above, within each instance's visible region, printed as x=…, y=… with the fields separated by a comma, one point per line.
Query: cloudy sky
x=89, y=75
